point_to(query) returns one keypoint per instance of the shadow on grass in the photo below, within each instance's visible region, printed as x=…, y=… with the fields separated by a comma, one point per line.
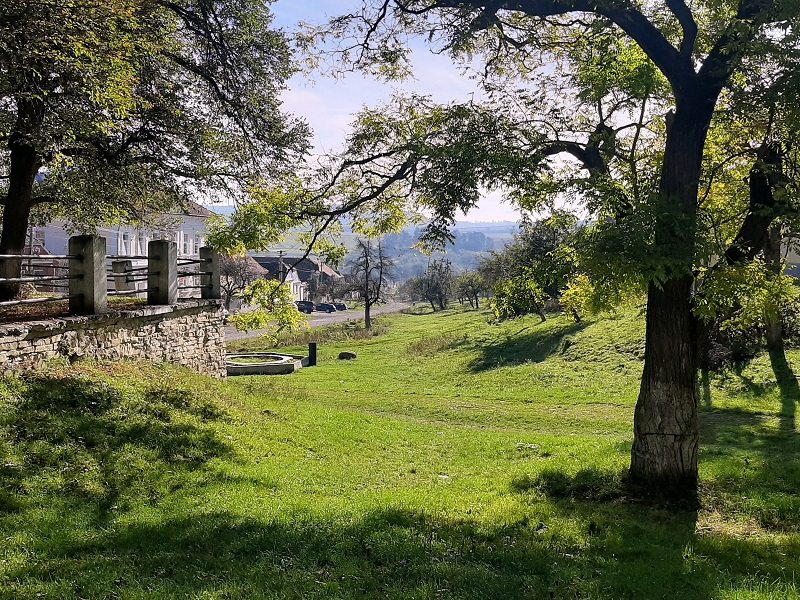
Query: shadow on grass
x=83, y=441
x=606, y=552
x=752, y=466
x=587, y=485
x=524, y=346
x=788, y=386
x=86, y=450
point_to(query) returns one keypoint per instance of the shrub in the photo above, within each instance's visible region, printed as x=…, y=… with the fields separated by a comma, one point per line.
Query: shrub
x=518, y=296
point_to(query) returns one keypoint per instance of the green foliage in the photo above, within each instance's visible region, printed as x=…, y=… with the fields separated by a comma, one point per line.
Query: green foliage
x=542, y=249
x=577, y=297
x=274, y=309
x=518, y=296
x=471, y=285
x=133, y=105
x=743, y=296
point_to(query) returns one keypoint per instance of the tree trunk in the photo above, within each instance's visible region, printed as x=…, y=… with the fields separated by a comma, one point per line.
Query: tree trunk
x=664, y=455
x=666, y=438
x=772, y=256
x=367, y=316
x=24, y=163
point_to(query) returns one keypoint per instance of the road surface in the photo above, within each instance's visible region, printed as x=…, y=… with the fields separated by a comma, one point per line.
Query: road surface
x=317, y=319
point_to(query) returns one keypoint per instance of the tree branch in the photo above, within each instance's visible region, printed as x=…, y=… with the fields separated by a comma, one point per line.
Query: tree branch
x=683, y=13
x=675, y=67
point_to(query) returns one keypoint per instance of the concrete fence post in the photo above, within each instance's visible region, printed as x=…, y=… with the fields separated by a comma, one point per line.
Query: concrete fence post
x=210, y=289
x=121, y=267
x=162, y=272
x=87, y=288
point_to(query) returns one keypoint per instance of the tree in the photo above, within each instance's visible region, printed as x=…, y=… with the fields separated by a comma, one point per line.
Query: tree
x=274, y=309
x=370, y=274
x=471, y=285
x=110, y=111
x=331, y=288
x=518, y=296
x=629, y=105
x=235, y=274
x=437, y=283
x=689, y=56
x=539, y=250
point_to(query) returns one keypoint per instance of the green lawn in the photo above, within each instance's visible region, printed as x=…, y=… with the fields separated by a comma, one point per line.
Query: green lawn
x=452, y=459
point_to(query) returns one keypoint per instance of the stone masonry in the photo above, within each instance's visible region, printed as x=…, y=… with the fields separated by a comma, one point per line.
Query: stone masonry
x=190, y=333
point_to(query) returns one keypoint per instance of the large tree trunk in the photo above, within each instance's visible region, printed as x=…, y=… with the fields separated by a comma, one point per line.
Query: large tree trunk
x=24, y=163
x=664, y=453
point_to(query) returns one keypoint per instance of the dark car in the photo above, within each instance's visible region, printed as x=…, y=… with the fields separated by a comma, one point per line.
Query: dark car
x=304, y=306
x=325, y=307
x=340, y=305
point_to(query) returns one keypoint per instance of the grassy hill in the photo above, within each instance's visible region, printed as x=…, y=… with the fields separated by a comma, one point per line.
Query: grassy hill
x=452, y=459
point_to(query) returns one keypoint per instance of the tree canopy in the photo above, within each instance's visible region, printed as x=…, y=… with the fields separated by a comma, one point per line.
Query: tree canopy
x=113, y=109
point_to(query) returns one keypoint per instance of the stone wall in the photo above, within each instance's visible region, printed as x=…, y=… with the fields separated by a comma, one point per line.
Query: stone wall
x=190, y=333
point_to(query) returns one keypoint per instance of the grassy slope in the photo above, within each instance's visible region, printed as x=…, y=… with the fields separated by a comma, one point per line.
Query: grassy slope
x=452, y=459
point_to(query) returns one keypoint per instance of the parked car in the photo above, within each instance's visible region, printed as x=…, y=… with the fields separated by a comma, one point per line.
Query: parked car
x=325, y=307
x=304, y=306
x=340, y=306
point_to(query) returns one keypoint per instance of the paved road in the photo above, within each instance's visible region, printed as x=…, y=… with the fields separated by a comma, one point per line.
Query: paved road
x=318, y=319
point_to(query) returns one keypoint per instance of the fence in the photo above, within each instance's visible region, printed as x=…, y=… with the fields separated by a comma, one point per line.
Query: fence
x=91, y=277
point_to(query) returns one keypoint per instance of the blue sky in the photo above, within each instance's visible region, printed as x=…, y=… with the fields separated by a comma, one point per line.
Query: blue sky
x=329, y=104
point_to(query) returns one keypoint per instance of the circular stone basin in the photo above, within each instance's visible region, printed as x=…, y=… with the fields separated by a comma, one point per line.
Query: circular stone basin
x=261, y=363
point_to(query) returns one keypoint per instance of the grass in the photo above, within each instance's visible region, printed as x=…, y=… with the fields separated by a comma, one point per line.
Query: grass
x=452, y=459
x=340, y=332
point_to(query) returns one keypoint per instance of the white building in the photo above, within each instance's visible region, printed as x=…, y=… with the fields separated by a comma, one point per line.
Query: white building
x=188, y=229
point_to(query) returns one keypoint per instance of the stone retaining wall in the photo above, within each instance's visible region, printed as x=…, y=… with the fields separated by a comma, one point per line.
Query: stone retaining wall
x=190, y=333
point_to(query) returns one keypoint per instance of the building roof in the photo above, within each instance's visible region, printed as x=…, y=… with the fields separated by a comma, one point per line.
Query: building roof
x=257, y=268
x=305, y=267
x=193, y=209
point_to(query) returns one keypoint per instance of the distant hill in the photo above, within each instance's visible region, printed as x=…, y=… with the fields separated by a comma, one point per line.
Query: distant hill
x=472, y=241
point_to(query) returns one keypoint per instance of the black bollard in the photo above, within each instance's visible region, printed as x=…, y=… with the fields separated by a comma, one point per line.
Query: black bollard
x=312, y=354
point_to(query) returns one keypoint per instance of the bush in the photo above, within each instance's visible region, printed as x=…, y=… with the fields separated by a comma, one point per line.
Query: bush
x=518, y=296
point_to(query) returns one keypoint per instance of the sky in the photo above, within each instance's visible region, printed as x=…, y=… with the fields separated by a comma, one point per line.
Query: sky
x=329, y=104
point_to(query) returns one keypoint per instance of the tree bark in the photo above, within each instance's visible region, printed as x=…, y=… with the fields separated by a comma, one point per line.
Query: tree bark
x=24, y=163
x=664, y=454
x=772, y=256
x=367, y=316
x=666, y=438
